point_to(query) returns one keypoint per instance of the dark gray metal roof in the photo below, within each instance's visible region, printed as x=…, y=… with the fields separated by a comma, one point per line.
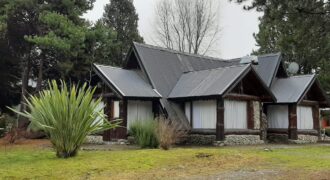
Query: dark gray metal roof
x=165, y=67
x=128, y=83
x=208, y=82
x=267, y=67
x=291, y=89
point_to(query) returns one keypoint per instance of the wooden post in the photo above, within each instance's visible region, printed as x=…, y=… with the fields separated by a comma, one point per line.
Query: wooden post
x=293, y=122
x=109, y=111
x=316, y=117
x=122, y=131
x=250, y=115
x=155, y=108
x=191, y=114
x=220, y=128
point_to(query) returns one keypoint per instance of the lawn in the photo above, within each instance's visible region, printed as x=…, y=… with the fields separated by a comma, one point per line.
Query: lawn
x=38, y=161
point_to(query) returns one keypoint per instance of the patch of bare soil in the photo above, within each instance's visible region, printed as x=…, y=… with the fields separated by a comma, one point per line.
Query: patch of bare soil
x=27, y=143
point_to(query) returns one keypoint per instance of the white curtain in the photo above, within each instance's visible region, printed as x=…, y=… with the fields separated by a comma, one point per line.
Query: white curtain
x=98, y=120
x=116, y=109
x=278, y=116
x=187, y=110
x=235, y=114
x=139, y=111
x=204, y=114
x=304, y=117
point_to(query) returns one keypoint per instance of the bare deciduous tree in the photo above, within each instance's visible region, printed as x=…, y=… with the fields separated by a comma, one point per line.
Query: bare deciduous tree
x=187, y=25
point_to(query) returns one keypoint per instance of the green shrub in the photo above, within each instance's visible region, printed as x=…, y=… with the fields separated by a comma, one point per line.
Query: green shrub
x=6, y=123
x=144, y=133
x=327, y=131
x=2, y=125
x=67, y=116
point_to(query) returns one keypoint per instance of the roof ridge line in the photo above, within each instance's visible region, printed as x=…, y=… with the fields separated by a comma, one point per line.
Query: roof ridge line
x=96, y=64
x=303, y=75
x=182, y=53
x=238, y=65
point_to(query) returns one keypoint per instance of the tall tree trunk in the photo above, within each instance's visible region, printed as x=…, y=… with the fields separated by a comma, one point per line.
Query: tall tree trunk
x=39, y=81
x=22, y=121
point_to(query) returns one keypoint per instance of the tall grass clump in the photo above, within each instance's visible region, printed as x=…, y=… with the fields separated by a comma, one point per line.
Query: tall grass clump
x=144, y=133
x=168, y=132
x=66, y=115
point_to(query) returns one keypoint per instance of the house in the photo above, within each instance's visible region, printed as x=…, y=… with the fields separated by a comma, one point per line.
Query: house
x=208, y=96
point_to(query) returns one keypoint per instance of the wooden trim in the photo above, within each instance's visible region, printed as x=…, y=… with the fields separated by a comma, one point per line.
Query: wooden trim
x=308, y=132
x=241, y=97
x=104, y=95
x=316, y=118
x=191, y=114
x=108, y=109
x=293, y=121
x=226, y=132
x=250, y=114
x=278, y=130
x=308, y=103
x=220, y=128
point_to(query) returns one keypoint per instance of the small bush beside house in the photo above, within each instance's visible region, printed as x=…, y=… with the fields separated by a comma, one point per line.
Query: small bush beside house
x=144, y=133
x=168, y=132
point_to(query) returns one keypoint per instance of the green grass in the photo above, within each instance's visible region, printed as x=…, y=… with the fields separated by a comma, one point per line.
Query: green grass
x=39, y=163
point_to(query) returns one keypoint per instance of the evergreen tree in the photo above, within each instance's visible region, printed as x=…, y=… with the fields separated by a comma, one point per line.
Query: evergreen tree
x=121, y=17
x=298, y=29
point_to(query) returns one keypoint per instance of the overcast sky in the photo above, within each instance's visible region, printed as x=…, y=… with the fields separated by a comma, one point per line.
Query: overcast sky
x=237, y=26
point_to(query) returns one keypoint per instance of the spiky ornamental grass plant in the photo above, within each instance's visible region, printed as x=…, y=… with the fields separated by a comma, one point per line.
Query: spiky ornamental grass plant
x=67, y=116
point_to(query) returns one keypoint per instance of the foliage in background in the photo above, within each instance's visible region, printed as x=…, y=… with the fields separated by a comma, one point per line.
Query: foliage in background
x=67, y=116
x=298, y=29
x=168, y=132
x=144, y=133
x=187, y=25
x=121, y=17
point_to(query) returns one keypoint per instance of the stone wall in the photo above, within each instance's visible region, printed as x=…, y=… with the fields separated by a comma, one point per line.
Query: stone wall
x=243, y=140
x=277, y=138
x=283, y=138
x=200, y=139
x=308, y=138
x=93, y=139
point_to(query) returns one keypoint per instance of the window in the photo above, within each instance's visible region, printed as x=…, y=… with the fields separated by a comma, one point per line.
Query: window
x=100, y=107
x=116, y=110
x=139, y=111
x=304, y=117
x=235, y=114
x=204, y=114
x=187, y=111
x=278, y=116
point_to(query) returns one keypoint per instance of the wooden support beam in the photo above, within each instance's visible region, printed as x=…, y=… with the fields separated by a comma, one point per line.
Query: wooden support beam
x=316, y=117
x=220, y=128
x=293, y=122
x=241, y=97
x=109, y=111
x=250, y=115
x=155, y=108
x=308, y=103
x=191, y=114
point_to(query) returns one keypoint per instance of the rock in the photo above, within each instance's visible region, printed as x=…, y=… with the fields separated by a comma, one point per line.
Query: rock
x=92, y=139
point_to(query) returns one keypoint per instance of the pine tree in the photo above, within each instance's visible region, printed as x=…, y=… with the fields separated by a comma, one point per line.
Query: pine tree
x=298, y=29
x=121, y=17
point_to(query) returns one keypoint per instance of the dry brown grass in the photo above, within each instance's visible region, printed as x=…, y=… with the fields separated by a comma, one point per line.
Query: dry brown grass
x=168, y=132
